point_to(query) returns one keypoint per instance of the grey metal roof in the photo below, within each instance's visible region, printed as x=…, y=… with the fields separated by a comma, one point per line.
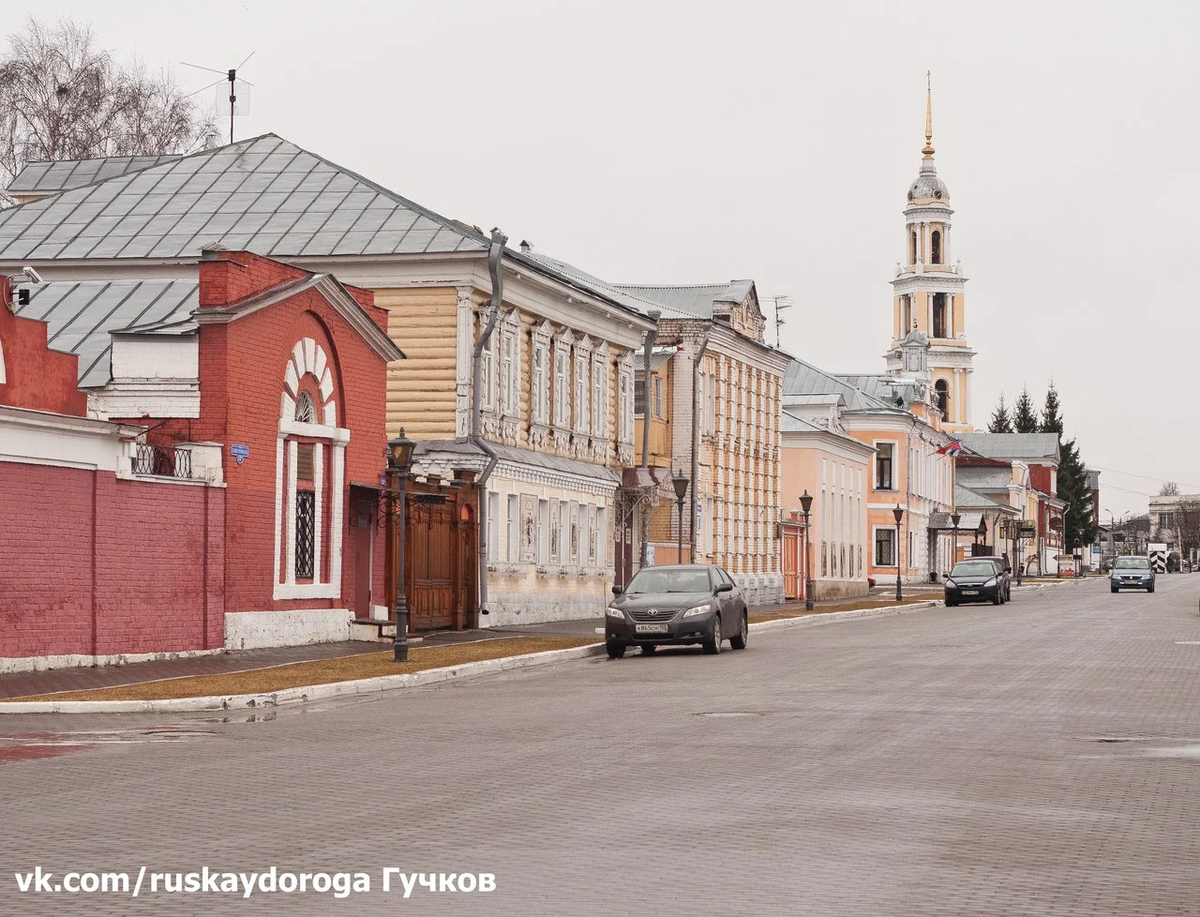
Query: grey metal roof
x=434, y=447
x=805, y=379
x=967, y=522
x=1013, y=445
x=698, y=301
x=82, y=316
x=984, y=476
x=600, y=287
x=964, y=497
x=659, y=359
x=264, y=194
x=61, y=174
x=790, y=423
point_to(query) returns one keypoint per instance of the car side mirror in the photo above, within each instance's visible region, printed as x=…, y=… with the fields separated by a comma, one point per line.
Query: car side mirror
x=617, y=590
x=724, y=587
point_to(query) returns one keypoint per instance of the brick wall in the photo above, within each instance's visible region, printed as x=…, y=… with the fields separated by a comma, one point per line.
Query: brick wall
x=36, y=377
x=96, y=565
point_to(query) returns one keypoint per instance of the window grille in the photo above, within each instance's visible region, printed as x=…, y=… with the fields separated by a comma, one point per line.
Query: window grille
x=306, y=517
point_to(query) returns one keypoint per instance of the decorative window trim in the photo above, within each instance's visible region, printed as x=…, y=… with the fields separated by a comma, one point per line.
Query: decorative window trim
x=562, y=369
x=600, y=398
x=540, y=372
x=625, y=408
x=581, y=394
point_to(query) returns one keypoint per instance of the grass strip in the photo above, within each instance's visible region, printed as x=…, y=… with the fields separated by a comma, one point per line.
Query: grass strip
x=319, y=672
x=859, y=605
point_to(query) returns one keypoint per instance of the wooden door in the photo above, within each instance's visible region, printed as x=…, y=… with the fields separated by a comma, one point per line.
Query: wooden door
x=791, y=563
x=440, y=559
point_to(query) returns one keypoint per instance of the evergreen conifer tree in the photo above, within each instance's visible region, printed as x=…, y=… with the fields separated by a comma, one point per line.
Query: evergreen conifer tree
x=1051, y=421
x=1000, y=422
x=1024, y=419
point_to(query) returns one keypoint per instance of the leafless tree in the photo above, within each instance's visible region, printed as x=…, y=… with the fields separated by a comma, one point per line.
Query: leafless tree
x=1169, y=489
x=62, y=97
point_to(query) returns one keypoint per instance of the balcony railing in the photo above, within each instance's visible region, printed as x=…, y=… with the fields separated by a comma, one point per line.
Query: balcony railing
x=162, y=461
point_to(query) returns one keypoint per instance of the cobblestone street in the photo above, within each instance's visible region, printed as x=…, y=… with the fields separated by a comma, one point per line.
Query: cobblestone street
x=1041, y=758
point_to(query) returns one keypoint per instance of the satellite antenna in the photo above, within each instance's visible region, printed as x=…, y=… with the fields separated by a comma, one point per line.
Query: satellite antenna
x=236, y=87
x=781, y=303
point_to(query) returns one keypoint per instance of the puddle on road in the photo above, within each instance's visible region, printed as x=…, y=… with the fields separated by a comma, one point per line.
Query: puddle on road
x=730, y=714
x=26, y=746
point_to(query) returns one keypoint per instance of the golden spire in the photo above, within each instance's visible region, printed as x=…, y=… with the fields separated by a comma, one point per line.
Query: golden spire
x=928, y=150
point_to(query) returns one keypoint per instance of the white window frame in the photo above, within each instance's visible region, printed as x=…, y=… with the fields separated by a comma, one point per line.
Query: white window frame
x=581, y=386
x=488, y=374
x=599, y=383
x=891, y=530
x=561, y=356
x=512, y=550
x=540, y=374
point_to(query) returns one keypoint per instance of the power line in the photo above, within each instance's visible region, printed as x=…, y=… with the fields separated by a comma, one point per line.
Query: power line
x=1145, y=477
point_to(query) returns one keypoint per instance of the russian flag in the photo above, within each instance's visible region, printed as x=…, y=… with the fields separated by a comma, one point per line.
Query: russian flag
x=951, y=448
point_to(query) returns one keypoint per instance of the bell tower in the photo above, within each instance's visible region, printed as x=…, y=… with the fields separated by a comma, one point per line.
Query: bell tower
x=927, y=291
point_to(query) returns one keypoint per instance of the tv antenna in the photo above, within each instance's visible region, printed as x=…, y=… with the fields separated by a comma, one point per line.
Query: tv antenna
x=781, y=303
x=236, y=86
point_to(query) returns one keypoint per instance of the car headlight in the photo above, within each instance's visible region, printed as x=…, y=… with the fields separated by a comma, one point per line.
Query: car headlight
x=698, y=610
x=951, y=583
x=614, y=612
x=991, y=582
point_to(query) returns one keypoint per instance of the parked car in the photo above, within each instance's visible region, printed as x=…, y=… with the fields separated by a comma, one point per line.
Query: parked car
x=1131, y=572
x=1005, y=566
x=675, y=605
x=975, y=580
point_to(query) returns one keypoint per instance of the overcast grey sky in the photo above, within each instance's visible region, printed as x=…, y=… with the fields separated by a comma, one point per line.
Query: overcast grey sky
x=677, y=142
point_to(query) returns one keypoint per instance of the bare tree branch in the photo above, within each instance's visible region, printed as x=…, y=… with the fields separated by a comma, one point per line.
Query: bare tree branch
x=62, y=97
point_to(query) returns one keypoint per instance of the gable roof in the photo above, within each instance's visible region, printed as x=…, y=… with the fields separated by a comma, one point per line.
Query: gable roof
x=61, y=174
x=82, y=317
x=965, y=498
x=594, y=284
x=985, y=477
x=264, y=194
x=1021, y=446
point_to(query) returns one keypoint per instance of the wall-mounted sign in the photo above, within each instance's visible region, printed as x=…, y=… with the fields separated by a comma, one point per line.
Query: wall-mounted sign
x=1028, y=533
x=240, y=451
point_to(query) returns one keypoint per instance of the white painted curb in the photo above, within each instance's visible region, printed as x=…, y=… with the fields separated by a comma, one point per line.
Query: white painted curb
x=831, y=617
x=306, y=693
x=393, y=682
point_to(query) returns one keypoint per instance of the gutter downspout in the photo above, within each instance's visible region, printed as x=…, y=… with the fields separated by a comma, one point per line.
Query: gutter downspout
x=654, y=314
x=696, y=410
x=495, y=252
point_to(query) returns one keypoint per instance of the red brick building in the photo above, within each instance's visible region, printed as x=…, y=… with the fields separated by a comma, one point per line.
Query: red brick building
x=179, y=462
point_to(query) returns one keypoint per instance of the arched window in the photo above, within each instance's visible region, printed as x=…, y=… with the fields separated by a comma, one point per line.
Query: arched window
x=912, y=248
x=936, y=245
x=905, y=315
x=942, y=393
x=306, y=411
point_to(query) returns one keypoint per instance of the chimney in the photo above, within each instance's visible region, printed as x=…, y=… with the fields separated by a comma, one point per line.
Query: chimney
x=526, y=246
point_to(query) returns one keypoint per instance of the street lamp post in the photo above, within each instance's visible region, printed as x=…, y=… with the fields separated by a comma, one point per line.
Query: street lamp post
x=681, y=488
x=955, y=519
x=1077, y=550
x=899, y=514
x=400, y=457
x=806, y=504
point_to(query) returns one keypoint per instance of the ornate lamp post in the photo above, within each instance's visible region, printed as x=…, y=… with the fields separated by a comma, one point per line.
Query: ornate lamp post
x=681, y=487
x=899, y=514
x=955, y=519
x=806, y=505
x=1077, y=550
x=400, y=458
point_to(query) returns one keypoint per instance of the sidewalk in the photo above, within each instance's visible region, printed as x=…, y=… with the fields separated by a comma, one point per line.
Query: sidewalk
x=287, y=674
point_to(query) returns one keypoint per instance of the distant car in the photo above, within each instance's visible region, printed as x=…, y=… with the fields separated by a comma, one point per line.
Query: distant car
x=975, y=580
x=1131, y=573
x=1005, y=566
x=677, y=605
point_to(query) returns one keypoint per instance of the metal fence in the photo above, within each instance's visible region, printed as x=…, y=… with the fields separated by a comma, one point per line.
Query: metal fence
x=162, y=461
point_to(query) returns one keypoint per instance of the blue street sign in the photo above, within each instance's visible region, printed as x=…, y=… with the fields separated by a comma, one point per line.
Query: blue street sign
x=239, y=451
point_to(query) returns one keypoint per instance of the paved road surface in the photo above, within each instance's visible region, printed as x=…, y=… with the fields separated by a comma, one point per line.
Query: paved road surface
x=1039, y=759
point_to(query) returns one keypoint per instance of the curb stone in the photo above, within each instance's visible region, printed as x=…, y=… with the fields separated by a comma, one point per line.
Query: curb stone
x=392, y=682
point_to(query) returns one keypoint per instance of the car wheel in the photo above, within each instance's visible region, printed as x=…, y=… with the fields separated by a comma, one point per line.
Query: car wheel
x=951, y=603
x=1149, y=588
x=648, y=649
x=712, y=643
x=1114, y=589
x=739, y=642
x=615, y=650
x=999, y=599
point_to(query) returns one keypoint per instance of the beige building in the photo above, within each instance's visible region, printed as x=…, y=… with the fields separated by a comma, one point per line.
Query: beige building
x=712, y=410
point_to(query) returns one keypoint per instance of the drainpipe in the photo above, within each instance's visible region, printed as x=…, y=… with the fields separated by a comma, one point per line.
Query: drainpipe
x=696, y=409
x=495, y=252
x=647, y=400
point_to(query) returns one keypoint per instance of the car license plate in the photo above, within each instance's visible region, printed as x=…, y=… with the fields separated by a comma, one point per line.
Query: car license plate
x=970, y=592
x=650, y=628
x=1130, y=579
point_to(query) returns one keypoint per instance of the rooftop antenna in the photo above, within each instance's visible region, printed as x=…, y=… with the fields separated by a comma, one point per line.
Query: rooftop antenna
x=235, y=86
x=781, y=303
